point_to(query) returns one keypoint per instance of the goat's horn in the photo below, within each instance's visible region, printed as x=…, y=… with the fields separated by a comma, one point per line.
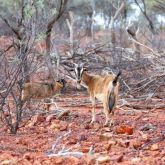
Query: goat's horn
x=75, y=64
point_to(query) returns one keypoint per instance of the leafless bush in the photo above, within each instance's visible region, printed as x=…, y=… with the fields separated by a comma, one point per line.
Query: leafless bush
x=11, y=106
x=20, y=59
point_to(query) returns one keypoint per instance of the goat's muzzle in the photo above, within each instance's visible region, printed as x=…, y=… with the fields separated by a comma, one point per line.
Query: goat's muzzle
x=78, y=84
x=78, y=81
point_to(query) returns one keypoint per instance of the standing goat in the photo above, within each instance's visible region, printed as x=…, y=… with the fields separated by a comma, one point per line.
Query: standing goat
x=104, y=88
x=41, y=90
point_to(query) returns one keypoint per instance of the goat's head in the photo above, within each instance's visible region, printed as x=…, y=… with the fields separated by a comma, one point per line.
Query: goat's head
x=63, y=83
x=79, y=69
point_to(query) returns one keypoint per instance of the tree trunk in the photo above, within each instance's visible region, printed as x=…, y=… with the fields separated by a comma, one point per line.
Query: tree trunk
x=113, y=18
x=112, y=32
x=70, y=23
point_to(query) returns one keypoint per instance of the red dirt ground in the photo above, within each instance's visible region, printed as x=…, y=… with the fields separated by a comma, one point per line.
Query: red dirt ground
x=34, y=141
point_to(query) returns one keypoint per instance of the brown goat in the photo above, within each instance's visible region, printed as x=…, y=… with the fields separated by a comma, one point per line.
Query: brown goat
x=41, y=90
x=104, y=88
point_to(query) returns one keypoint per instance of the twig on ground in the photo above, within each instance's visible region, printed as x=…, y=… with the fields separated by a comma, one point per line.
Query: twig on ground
x=58, y=140
x=73, y=153
x=63, y=151
x=155, y=140
x=140, y=106
x=63, y=113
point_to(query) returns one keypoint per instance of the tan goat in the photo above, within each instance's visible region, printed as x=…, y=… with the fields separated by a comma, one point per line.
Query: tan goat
x=104, y=88
x=41, y=90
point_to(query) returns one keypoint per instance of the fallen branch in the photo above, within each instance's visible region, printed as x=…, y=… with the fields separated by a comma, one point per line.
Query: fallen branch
x=73, y=153
x=139, y=43
x=63, y=151
x=63, y=113
x=7, y=49
x=140, y=106
x=156, y=140
x=58, y=140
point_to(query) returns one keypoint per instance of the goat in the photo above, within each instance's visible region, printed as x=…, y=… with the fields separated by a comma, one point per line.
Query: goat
x=41, y=90
x=104, y=88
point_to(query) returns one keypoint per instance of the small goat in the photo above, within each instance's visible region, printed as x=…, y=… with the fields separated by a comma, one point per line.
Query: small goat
x=104, y=88
x=41, y=90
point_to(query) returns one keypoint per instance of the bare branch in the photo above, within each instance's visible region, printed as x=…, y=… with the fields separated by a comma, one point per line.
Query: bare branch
x=50, y=25
x=144, y=11
x=13, y=29
x=139, y=43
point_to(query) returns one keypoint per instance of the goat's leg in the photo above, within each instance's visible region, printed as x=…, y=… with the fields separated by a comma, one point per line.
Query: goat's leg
x=93, y=109
x=107, y=116
x=108, y=122
x=112, y=116
x=112, y=120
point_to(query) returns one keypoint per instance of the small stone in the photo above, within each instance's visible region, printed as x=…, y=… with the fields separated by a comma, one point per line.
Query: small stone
x=155, y=153
x=145, y=119
x=86, y=143
x=50, y=117
x=82, y=137
x=46, y=162
x=136, y=160
x=96, y=126
x=123, y=143
x=54, y=126
x=112, y=142
x=106, y=129
x=87, y=126
x=72, y=141
x=70, y=125
x=145, y=137
x=136, y=143
x=73, y=160
x=154, y=147
x=106, y=136
x=12, y=161
x=103, y=159
x=27, y=156
x=59, y=160
x=63, y=126
x=6, y=162
x=124, y=130
x=85, y=149
x=117, y=158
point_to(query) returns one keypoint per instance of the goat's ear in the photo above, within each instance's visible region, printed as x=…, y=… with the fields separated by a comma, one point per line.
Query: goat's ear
x=83, y=64
x=71, y=69
x=85, y=69
x=76, y=65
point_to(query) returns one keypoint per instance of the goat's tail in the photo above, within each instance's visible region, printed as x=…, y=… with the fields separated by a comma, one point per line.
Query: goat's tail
x=112, y=95
x=116, y=78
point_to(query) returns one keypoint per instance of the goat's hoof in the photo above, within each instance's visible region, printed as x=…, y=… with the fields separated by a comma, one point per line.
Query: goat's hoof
x=109, y=124
x=106, y=124
x=93, y=121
